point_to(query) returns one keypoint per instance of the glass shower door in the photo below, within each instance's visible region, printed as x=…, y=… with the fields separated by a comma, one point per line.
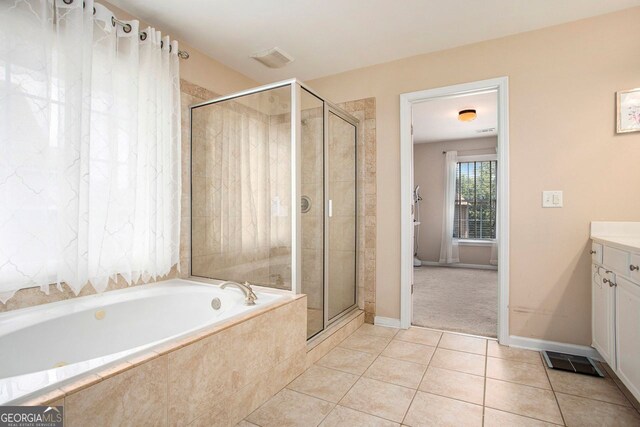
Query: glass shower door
x=341, y=214
x=312, y=209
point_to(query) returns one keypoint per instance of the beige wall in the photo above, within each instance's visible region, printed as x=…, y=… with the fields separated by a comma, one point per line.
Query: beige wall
x=428, y=173
x=562, y=83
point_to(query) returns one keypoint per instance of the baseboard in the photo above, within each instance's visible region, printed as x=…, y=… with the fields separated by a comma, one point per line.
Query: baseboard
x=560, y=347
x=386, y=321
x=459, y=265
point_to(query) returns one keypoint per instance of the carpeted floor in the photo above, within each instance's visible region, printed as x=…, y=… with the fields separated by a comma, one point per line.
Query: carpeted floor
x=456, y=299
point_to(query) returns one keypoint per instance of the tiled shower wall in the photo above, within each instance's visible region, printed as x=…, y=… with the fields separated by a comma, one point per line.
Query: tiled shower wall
x=190, y=94
x=241, y=166
x=365, y=111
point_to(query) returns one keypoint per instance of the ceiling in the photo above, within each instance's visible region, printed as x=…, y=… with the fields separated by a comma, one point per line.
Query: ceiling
x=330, y=36
x=437, y=119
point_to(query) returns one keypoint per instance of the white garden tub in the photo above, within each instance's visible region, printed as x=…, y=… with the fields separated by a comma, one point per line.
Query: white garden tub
x=45, y=346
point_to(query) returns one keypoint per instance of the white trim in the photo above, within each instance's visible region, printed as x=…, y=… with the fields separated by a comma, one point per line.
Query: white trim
x=386, y=321
x=474, y=242
x=459, y=265
x=501, y=85
x=296, y=190
x=477, y=158
x=560, y=347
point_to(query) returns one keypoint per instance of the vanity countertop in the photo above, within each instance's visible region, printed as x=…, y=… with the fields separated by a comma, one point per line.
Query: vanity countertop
x=623, y=235
x=625, y=243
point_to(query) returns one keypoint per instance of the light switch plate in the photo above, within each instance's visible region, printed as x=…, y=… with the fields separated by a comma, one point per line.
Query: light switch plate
x=552, y=199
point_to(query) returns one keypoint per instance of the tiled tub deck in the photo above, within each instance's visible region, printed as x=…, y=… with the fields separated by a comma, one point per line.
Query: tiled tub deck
x=215, y=377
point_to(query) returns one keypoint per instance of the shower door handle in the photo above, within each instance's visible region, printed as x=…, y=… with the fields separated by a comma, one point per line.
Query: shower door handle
x=330, y=208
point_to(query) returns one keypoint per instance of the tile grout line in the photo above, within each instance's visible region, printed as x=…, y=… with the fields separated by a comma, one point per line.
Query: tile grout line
x=462, y=334
x=592, y=398
x=619, y=386
x=516, y=360
x=313, y=397
x=524, y=416
x=421, y=379
x=360, y=377
x=555, y=396
x=315, y=363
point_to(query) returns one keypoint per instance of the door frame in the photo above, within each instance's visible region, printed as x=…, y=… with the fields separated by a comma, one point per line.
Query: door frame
x=501, y=85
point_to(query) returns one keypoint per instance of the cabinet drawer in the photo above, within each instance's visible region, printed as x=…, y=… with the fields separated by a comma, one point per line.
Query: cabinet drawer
x=596, y=252
x=634, y=266
x=616, y=260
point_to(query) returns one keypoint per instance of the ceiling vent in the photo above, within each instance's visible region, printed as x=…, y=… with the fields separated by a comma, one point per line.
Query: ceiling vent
x=273, y=58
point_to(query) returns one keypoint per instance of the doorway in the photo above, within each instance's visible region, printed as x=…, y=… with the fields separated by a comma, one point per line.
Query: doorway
x=454, y=273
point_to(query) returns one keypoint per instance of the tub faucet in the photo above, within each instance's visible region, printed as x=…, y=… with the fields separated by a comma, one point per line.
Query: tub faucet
x=249, y=296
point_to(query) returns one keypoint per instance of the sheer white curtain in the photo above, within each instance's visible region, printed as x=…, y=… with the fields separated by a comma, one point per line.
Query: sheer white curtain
x=90, y=147
x=449, y=245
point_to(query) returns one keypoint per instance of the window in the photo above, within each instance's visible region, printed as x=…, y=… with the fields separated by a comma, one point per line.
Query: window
x=475, y=204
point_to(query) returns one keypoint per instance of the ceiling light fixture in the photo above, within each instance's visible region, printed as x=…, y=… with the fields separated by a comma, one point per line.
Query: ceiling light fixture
x=467, y=115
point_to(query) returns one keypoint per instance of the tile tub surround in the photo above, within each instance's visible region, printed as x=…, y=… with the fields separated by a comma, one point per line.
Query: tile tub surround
x=214, y=377
x=386, y=377
x=190, y=94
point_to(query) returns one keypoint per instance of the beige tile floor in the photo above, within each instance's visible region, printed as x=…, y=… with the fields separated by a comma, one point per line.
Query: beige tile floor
x=420, y=377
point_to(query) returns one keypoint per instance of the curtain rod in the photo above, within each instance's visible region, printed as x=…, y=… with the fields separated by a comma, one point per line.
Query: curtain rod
x=476, y=149
x=182, y=54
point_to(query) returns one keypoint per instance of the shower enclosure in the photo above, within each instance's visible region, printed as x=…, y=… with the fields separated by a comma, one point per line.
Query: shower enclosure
x=273, y=195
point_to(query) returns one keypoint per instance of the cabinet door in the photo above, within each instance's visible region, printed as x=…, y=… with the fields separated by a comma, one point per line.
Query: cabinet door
x=602, y=306
x=628, y=334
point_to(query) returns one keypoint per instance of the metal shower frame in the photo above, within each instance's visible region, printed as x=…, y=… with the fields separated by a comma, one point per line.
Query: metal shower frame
x=296, y=182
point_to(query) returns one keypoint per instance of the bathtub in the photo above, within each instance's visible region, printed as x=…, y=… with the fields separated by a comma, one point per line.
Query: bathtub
x=46, y=346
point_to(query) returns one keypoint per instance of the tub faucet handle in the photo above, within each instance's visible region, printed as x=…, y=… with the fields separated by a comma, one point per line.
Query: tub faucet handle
x=250, y=294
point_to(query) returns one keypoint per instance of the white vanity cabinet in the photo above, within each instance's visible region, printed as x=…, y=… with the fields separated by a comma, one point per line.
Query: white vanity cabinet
x=615, y=305
x=628, y=334
x=602, y=319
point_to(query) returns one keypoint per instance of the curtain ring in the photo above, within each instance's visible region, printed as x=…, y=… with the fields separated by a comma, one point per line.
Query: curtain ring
x=127, y=28
x=170, y=48
x=113, y=21
x=143, y=35
x=94, y=10
x=161, y=44
x=67, y=1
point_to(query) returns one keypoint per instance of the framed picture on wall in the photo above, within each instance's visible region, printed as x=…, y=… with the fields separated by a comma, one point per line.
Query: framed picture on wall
x=628, y=111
